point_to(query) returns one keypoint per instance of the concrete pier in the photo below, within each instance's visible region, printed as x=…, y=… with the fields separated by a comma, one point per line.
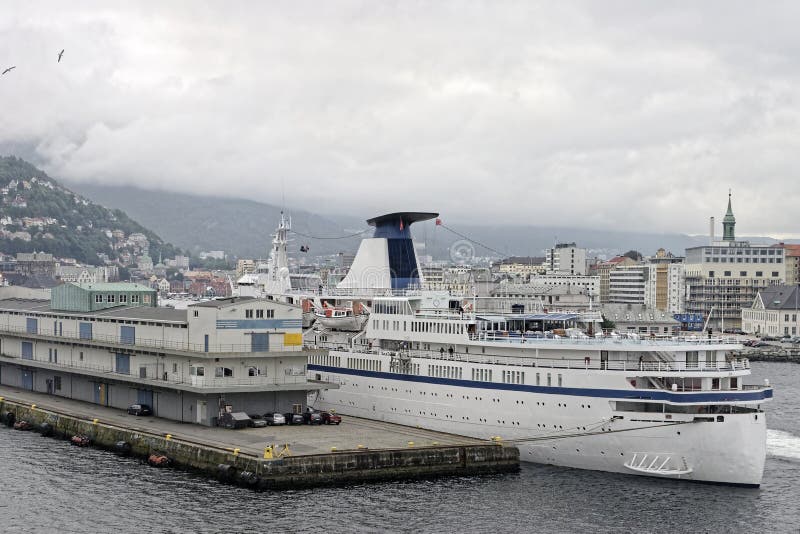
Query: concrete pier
x=356, y=451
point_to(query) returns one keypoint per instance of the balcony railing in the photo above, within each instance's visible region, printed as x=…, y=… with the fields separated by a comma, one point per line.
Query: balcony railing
x=164, y=344
x=171, y=378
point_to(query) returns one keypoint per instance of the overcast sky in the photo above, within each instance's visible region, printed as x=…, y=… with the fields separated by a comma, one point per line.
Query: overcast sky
x=618, y=115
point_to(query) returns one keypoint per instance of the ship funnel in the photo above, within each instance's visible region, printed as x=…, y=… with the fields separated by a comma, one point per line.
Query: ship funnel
x=387, y=260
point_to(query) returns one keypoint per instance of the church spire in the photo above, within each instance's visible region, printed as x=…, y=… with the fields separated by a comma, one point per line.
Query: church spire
x=728, y=222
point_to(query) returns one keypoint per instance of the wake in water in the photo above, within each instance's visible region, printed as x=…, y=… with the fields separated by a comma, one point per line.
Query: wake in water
x=783, y=444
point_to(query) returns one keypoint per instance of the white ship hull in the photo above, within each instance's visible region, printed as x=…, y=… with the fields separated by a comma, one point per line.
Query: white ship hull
x=566, y=430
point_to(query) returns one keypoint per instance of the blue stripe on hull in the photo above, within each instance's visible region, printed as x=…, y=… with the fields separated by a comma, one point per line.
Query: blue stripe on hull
x=678, y=398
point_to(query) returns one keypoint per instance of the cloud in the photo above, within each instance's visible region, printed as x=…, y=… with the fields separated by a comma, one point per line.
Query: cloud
x=610, y=115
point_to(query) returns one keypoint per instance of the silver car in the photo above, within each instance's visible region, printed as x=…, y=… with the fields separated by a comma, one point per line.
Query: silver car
x=274, y=419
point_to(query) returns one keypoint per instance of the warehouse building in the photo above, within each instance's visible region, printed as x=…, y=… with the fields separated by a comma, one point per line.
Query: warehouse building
x=110, y=345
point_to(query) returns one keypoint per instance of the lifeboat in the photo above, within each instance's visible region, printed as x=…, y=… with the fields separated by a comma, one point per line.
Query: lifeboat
x=341, y=318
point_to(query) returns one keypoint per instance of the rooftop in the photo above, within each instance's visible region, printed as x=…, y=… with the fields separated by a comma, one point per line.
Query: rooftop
x=145, y=313
x=115, y=286
x=221, y=303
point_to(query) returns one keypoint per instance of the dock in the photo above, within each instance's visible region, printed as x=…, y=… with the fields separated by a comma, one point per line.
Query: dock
x=273, y=457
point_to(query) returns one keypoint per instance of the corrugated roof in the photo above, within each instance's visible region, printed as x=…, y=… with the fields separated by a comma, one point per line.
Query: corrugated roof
x=139, y=313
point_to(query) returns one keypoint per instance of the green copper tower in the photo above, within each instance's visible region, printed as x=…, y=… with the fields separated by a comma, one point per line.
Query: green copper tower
x=728, y=222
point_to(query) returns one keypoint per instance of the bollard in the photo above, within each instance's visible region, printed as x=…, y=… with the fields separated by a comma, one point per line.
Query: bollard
x=410, y=443
x=168, y=437
x=268, y=452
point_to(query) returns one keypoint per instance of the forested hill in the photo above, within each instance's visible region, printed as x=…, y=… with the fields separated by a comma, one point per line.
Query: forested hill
x=39, y=214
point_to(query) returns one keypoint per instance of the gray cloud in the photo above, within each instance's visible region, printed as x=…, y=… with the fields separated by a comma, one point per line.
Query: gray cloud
x=615, y=115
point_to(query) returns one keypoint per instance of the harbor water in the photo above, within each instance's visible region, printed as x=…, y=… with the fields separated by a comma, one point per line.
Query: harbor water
x=50, y=486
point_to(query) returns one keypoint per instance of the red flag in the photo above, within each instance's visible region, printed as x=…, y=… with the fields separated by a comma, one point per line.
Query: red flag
x=438, y=222
x=401, y=224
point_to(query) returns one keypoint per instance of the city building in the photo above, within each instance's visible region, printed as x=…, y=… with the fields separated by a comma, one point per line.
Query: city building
x=639, y=319
x=82, y=274
x=245, y=266
x=108, y=344
x=774, y=312
x=792, y=258
x=565, y=258
x=665, y=288
x=522, y=266
x=626, y=284
x=724, y=277
x=603, y=273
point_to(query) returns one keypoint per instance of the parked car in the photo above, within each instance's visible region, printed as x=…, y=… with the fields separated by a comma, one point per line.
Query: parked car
x=140, y=409
x=311, y=417
x=274, y=419
x=257, y=421
x=749, y=342
x=733, y=331
x=769, y=338
x=331, y=418
x=293, y=418
x=760, y=344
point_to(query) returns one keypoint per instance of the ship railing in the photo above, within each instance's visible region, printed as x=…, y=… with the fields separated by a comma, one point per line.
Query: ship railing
x=648, y=367
x=527, y=337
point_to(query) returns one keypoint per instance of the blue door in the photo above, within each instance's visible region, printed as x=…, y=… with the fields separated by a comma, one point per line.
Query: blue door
x=100, y=394
x=27, y=380
x=32, y=326
x=124, y=364
x=259, y=342
x=27, y=350
x=127, y=335
x=85, y=330
x=144, y=396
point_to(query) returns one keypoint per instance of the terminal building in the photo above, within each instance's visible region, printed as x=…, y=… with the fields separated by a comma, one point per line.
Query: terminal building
x=109, y=344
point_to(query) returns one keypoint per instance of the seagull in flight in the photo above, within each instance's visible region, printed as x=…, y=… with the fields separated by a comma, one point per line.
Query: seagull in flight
x=9, y=69
x=60, y=54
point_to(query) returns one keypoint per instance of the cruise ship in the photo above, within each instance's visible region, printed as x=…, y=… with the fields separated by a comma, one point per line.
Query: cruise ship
x=670, y=407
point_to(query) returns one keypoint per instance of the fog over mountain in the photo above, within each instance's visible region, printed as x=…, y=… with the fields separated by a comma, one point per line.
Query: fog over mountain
x=244, y=227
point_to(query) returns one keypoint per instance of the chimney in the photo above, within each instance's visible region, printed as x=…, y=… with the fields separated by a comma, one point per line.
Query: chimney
x=711, y=231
